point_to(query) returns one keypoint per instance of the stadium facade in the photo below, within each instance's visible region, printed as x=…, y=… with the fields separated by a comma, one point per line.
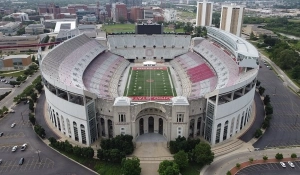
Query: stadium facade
x=214, y=80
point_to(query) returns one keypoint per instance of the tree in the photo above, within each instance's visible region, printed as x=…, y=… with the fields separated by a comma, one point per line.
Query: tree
x=203, y=154
x=5, y=109
x=279, y=156
x=31, y=105
x=40, y=131
x=33, y=58
x=33, y=97
x=77, y=151
x=21, y=31
x=265, y=158
x=181, y=159
x=269, y=109
x=296, y=72
x=258, y=133
x=131, y=166
x=122, y=20
x=167, y=167
x=1, y=112
x=267, y=99
x=228, y=173
x=261, y=90
x=252, y=36
x=32, y=118
x=188, y=28
x=293, y=156
x=238, y=165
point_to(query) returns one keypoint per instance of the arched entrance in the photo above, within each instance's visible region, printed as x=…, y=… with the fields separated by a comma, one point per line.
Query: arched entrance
x=141, y=124
x=151, y=124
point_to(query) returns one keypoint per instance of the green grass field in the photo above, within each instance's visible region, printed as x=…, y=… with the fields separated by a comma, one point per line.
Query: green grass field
x=149, y=83
x=117, y=28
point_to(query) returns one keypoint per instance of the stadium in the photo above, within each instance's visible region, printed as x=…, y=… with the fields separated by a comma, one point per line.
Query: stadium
x=163, y=84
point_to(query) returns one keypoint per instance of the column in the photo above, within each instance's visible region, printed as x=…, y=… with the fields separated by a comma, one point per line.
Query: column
x=156, y=124
x=195, y=127
x=106, y=128
x=146, y=124
x=228, y=129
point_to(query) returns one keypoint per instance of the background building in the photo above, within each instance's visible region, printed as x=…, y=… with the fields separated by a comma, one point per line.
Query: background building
x=232, y=19
x=170, y=15
x=18, y=16
x=18, y=40
x=34, y=29
x=118, y=10
x=10, y=28
x=204, y=13
x=15, y=62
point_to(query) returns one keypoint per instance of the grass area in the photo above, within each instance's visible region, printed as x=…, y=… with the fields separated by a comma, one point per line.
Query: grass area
x=186, y=15
x=294, y=20
x=192, y=169
x=166, y=29
x=117, y=28
x=103, y=168
x=150, y=82
x=12, y=73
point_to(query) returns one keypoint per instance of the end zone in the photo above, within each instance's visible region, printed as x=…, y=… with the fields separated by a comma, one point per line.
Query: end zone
x=152, y=98
x=149, y=68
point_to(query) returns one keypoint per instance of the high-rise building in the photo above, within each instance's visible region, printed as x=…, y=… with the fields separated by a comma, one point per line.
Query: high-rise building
x=118, y=10
x=204, y=13
x=232, y=19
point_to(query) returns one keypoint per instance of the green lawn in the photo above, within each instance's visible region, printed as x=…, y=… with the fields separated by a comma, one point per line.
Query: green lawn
x=117, y=28
x=12, y=73
x=142, y=82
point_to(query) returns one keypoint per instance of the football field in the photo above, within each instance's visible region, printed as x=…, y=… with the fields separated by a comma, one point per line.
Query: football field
x=149, y=82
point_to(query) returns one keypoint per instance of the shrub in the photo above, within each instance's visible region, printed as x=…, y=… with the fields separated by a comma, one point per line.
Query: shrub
x=261, y=90
x=279, y=156
x=167, y=167
x=269, y=109
x=32, y=118
x=228, y=173
x=258, y=133
x=265, y=157
x=250, y=159
x=40, y=131
x=267, y=99
x=238, y=165
x=266, y=124
x=293, y=155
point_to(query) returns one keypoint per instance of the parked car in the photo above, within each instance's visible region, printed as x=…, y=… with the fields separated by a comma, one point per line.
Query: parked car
x=13, y=125
x=282, y=164
x=11, y=77
x=1, y=134
x=0, y=161
x=14, y=148
x=21, y=161
x=11, y=111
x=23, y=147
x=291, y=164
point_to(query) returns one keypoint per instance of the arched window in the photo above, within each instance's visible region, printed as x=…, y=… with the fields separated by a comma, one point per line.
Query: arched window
x=75, y=131
x=68, y=126
x=83, y=136
x=232, y=125
x=237, y=122
x=63, y=122
x=225, y=130
x=218, y=133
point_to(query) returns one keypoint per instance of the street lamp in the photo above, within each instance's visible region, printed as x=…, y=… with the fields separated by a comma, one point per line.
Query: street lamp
x=38, y=152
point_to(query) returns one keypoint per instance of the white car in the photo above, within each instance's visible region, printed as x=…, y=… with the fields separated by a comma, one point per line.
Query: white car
x=14, y=148
x=291, y=164
x=23, y=147
x=13, y=125
x=282, y=164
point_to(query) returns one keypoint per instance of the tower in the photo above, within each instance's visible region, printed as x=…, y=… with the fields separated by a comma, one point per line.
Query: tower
x=204, y=13
x=232, y=19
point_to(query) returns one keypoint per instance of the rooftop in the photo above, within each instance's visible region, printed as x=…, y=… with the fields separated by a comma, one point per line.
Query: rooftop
x=16, y=56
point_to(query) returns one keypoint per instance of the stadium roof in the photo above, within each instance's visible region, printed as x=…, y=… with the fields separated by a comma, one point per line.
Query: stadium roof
x=241, y=46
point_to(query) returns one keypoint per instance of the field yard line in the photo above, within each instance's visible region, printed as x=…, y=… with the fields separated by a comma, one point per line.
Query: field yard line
x=128, y=83
x=171, y=83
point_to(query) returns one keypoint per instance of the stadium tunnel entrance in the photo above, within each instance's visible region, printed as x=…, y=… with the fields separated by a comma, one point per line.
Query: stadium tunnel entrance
x=151, y=125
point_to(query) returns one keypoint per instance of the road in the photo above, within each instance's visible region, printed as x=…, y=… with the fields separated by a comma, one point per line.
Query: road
x=223, y=164
x=39, y=158
x=8, y=101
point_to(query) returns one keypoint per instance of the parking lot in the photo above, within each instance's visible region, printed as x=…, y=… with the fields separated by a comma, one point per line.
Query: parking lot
x=39, y=158
x=30, y=163
x=271, y=169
